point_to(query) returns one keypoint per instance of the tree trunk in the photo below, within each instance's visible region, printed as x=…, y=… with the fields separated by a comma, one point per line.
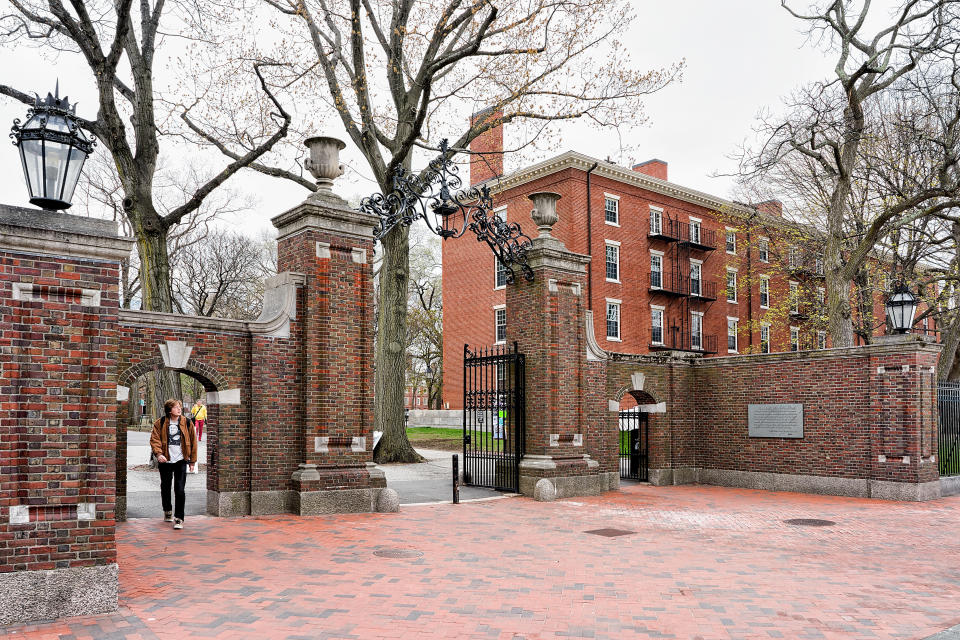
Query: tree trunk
x=390, y=350
x=155, y=291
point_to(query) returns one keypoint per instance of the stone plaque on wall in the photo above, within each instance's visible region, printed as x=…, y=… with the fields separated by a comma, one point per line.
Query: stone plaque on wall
x=775, y=420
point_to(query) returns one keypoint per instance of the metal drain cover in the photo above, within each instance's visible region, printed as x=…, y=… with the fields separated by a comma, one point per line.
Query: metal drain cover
x=392, y=552
x=810, y=522
x=610, y=533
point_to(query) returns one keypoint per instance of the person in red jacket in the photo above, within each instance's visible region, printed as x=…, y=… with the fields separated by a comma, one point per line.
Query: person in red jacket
x=174, y=442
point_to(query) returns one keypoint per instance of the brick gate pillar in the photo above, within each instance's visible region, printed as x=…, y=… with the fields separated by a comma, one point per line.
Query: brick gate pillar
x=332, y=245
x=59, y=297
x=546, y=318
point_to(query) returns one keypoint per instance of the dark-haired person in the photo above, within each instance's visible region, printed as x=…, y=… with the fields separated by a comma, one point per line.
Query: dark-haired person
x=174, y=442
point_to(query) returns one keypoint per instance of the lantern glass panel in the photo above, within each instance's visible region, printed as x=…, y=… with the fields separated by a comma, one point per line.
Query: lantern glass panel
x=77, y=158
x=55, y=161
x=31, y=152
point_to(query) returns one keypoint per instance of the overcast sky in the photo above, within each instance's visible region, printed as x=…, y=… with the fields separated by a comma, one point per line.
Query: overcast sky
x=742, y=56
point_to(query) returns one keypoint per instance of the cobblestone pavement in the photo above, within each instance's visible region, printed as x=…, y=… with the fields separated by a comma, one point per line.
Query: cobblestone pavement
x=702, y=562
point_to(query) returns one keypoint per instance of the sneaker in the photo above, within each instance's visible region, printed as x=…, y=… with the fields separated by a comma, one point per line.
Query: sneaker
x=178, y=524
x=168, y=516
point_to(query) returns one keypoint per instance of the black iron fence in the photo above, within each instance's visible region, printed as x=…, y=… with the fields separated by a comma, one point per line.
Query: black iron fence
x=493, y=416
x=948, y=402
x=633, y=445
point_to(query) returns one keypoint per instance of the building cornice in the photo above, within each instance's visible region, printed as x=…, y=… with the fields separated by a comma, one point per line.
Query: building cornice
x=582, y=162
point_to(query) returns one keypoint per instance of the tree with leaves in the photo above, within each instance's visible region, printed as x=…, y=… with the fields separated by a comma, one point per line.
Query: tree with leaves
x=402, y=74
x=831, y=125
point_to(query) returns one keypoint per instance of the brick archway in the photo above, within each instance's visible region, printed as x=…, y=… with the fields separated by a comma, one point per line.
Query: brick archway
x=213, y=382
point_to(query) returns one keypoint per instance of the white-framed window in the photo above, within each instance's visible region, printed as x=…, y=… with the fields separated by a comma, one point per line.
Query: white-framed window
x=818, y=265
x=821, y=298
x=500, y=322
x=821, y=339
x=764, y=338
x=500, y=278
x=656, y=270
x=763, y=249
x=696, y=330
x=656, y=324
x=764, y=292
x=951, y=294
x=794, y=297
x=418, y=401
x=793, y=258
x=732, y=325
x=656, y=221
x=731, y=284
x=794, y=338
x=696, y=277
x=612, y=260
x=731, y=241
x=695, y=225
x=611, y=209
x=613, y=319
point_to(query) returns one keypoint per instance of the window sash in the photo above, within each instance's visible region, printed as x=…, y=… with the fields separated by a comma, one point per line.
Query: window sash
x=501, y=322
x=656, y=326
x=613, y=262
x=764, y=339
x=795, y=298
x=731, y=335
x=613, y=320
x=731, y=241
x=696, y=271
x=764, y=292
x=731, y=286
x=763, y=249
x=696, y=331
x=611, y=208
x=656, y=271
x=695, y=232
x=656, y=222
x=794, y=339
x=501, y=275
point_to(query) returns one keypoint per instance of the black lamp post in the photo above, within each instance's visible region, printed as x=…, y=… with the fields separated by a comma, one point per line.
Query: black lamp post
x=53, y=149
x=901, y=307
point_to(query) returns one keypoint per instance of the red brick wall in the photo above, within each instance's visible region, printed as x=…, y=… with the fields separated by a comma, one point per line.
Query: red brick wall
x=468, y=273
x=57, y=412
x=654, y=168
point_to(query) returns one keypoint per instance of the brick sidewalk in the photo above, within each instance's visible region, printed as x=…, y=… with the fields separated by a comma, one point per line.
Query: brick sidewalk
x=704, y=562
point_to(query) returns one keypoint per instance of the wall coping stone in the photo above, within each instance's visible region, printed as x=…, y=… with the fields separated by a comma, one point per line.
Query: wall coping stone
x=61, y=234
x=283, y=309
x=325, y=214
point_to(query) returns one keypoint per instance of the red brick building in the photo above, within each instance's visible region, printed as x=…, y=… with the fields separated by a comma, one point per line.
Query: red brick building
x=672, y=268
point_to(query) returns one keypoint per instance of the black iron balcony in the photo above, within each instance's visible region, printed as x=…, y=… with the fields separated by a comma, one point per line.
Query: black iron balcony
x=703, y=290
x=696, y=237
x=671, y=283
x=676, y=340
x=668, y=230
x=668, y=283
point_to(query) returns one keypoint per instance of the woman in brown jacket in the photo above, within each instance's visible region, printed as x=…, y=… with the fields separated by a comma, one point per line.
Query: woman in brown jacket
x=174, y=442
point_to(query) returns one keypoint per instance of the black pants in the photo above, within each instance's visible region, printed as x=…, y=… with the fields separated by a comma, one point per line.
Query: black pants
x=176, y=471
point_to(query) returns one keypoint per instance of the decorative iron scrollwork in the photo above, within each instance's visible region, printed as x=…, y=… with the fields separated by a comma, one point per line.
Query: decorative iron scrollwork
x=434, y=196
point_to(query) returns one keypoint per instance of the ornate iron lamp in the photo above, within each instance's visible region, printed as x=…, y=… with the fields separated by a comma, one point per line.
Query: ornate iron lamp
x=901, y=307
x=433, y=196
x=53, y=149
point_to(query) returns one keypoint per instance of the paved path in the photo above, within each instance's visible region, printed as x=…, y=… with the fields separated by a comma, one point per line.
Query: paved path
x=416, y=483
x=702, y=562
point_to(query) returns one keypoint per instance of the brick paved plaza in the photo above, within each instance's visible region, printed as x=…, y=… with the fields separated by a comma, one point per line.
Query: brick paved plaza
x=703, y=562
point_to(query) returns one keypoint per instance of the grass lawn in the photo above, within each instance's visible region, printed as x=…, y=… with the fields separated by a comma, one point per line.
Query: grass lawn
x=451, y=439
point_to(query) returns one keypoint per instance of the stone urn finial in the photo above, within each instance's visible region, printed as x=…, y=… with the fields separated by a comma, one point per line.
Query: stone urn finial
x=544, y=212
x=324, y=160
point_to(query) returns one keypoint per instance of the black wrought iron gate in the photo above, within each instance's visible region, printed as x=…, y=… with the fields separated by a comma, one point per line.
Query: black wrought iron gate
x=493, y=417
x=948, y=403
x=633, y=444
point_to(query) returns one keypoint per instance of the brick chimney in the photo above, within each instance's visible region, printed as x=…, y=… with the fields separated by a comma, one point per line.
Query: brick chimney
x=770, y=207
x=654, y=168
x=486, y=161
